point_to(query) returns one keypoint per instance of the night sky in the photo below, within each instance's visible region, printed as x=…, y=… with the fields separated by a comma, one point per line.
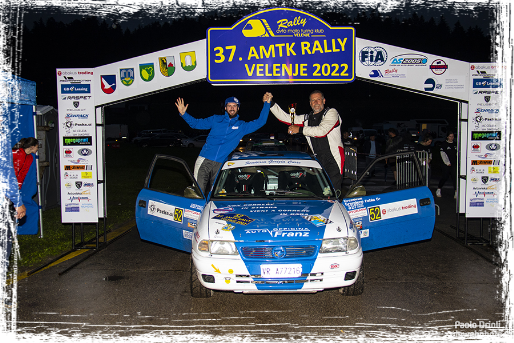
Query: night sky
x=489, y=15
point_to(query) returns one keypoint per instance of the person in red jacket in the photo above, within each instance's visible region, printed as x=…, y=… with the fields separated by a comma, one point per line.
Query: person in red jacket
x=22, y=158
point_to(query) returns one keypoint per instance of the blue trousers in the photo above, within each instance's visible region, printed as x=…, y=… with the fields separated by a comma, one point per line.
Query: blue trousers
x=5, y=244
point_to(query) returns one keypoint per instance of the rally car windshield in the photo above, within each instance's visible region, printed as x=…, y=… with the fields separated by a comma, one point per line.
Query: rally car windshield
x=273, y=182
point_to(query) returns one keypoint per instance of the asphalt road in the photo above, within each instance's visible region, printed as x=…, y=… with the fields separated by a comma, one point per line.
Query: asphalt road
x=135, y=289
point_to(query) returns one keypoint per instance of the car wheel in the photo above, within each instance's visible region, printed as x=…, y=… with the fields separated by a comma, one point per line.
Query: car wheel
x=144, y=145
x=358, y=286
x=190, y=145
x=197, y=289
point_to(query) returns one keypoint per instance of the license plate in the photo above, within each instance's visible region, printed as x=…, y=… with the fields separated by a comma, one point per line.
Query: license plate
x=281, y=270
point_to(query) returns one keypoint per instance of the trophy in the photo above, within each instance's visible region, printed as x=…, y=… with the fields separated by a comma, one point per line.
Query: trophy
x=292, y=112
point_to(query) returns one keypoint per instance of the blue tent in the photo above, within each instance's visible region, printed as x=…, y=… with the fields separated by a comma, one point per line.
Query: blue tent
x=18, y=99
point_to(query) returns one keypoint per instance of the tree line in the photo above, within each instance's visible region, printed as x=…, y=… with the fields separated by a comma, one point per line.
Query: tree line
x=90, y=42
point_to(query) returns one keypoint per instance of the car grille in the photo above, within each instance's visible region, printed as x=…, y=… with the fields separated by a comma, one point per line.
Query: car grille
x=267, y=252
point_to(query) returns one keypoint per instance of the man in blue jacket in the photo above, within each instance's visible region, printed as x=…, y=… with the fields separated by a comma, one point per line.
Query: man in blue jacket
x=226, y=132
x=8, y=193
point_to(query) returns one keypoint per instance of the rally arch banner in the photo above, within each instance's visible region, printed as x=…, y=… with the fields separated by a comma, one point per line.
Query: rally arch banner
x=272, y=46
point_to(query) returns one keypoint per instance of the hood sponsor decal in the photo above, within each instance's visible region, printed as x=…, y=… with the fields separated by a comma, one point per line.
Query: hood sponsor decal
x=223, y=210
x=282, y=232
x=228, y=227
x=318, y=220
x=235, y=218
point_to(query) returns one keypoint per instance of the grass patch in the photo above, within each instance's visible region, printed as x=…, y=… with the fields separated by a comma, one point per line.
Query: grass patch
x=126, y=170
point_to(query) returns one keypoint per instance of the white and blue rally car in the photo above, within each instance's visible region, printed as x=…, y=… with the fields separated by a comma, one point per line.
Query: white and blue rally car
x=272, y=222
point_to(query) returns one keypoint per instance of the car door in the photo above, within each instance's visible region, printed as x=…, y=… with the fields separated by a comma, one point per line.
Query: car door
x=170, y=204
x=390, y=213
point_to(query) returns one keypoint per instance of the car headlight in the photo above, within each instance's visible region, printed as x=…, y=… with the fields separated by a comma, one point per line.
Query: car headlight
x=218, y=247
x=342, y=244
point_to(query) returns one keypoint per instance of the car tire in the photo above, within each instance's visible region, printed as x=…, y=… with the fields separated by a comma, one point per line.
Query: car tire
x=197, y=289
x=357, y=288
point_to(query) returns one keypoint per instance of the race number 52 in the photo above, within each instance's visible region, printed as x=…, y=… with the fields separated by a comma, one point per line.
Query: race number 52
x=374, y=213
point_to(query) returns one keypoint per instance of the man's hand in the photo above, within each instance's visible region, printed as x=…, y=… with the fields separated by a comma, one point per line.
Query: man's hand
x=267, y=97
x=21, y=211
x=181, y=107
x=292, y=129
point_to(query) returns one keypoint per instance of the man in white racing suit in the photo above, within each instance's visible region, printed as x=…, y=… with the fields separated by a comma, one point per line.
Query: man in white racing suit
x=322, y=129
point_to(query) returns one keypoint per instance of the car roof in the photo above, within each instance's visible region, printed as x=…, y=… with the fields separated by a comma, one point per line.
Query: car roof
x=256, y=155
x=269, y=142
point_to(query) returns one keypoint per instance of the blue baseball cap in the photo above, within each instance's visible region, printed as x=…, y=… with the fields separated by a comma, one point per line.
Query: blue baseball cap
x=232, y=99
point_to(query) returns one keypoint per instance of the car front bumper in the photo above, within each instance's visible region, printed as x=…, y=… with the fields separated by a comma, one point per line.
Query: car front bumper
x=232, y=274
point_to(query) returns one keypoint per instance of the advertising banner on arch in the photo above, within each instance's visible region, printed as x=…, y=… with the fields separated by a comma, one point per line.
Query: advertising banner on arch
x=410, y=69
x=485, y=162
x=77, y=146
x=280, y=45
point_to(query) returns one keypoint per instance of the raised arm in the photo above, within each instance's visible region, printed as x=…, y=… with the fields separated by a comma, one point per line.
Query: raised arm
x=201, y=124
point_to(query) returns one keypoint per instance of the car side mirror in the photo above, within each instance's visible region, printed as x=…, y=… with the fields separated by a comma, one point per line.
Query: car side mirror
x=357, y=191
x=191, y=193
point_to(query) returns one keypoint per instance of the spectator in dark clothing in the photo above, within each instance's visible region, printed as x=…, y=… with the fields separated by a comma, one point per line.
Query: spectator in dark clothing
x=449, y=155
x=372, y=148
x=425, y=145
x=346, y=138
x=392, y=145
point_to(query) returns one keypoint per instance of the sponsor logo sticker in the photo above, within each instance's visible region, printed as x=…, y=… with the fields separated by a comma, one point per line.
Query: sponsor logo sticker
x=165, y=211
x=235, y=218
x=393, y=210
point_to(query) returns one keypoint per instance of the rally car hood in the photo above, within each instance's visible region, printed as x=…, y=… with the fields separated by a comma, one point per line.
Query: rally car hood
x=277, y=220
